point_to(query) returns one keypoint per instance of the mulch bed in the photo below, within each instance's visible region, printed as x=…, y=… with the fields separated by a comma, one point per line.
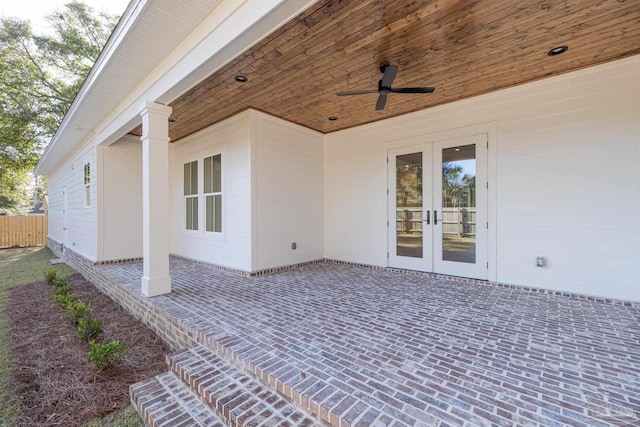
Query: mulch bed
x=56, y=383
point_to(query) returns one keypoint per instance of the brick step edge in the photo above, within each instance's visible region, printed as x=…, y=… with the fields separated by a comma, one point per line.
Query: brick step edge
x=238, y=399
x=165, y=401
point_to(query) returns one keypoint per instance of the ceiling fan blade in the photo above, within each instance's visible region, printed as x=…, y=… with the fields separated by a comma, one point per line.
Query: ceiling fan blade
x=356, y=92
x=413, y=89
x=382, y=101
x=390, y=72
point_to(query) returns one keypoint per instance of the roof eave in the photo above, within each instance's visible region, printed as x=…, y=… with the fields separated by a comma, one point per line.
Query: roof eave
x=63, y=142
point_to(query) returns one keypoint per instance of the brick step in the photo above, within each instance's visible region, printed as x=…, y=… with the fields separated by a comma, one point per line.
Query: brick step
x=236, y=398
x=164, y=400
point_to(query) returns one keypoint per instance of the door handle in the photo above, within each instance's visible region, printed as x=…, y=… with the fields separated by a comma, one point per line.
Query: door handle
x=428, y=220
x=435, y=217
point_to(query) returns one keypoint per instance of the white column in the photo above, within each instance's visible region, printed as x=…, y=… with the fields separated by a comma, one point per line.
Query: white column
x=155, y=199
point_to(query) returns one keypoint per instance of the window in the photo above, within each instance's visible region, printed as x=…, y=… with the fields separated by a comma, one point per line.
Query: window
x=87, y=185
x=191, y=194
x=213, y=193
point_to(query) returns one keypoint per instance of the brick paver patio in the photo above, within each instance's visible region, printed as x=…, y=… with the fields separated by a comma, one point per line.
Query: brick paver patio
x=384, y=348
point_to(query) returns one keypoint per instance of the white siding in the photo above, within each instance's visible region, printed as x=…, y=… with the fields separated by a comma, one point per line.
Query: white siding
x=55, y=187
x=288, y=187
x=121, y=200
x=81, y=236
x=568, y=180
x=233, y=248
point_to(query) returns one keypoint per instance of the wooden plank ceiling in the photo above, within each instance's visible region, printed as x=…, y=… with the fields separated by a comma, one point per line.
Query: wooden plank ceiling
x=462, y=47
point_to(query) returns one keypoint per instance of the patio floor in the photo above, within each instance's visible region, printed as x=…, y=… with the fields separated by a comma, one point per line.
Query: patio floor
x=385, y=348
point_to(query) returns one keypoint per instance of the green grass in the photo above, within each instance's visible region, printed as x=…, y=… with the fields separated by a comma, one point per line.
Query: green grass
x=128, y=417
x=20, y=267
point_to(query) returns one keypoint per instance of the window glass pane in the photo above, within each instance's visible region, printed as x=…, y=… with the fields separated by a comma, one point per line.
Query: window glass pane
x=209, y=213
x=87, y=174
x=191, y=213
x=214, y=213
x=218, y=213
x=409, y=205
x=459, y=204
x=217, y=173
x=187, y=179
x=191, y=178
x=195, y=213
x=207, y=175
x=194, y=177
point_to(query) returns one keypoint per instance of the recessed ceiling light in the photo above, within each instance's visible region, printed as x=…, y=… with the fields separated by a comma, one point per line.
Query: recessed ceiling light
x=333, y=118
x=241, y=79
x=558, y=50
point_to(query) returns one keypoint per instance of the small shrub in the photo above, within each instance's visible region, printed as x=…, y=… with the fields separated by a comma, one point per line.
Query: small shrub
x=77, y=310
x=106, y=354
x=51, y=275
x=60, y=285
x=89, y=329
x=64, y=299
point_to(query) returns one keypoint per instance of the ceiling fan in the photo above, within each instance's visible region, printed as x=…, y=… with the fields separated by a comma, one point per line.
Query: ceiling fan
x=384, y=87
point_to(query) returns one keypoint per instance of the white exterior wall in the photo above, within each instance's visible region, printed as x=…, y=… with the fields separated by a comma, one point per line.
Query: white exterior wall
x=80, y=236
x=120, y=193
x=288, y=190
x=231, y=248
x=566, y=180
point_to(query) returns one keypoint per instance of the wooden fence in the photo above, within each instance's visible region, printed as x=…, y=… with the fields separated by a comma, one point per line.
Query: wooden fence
x=458, y=222
x=29, y=230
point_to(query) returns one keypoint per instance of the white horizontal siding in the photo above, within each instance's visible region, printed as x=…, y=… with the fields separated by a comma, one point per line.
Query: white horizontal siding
x=289, y=192
x=568, y=180
x=233, y=247
x=121, y=197
x=81, y=234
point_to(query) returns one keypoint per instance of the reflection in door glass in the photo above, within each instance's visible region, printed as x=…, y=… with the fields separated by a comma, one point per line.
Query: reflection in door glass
x=409, y=205
x=459, y=204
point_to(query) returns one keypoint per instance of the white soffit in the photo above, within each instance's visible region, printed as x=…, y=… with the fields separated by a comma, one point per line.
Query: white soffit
x=138, y=43
x=150, y=35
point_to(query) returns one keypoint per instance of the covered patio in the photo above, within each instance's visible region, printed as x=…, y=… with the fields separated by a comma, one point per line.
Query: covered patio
x=353, y=345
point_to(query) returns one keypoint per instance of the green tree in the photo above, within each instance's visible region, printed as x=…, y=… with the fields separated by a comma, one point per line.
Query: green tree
x=40, y=74
x=458, y=189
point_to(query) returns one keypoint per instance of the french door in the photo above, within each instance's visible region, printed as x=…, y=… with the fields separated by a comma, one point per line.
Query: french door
x=438, y=207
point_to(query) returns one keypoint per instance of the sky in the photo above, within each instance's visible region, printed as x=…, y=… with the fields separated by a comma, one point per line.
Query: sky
x=36, y=10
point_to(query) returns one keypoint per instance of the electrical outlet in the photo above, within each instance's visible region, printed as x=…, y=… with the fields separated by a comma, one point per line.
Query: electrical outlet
x=541, y=261
x=293, y=245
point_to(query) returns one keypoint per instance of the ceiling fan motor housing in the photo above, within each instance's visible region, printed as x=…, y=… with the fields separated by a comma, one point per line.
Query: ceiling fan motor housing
x=383, y=90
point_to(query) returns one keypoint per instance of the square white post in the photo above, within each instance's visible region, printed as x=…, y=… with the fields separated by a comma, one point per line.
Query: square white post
x=155, y=199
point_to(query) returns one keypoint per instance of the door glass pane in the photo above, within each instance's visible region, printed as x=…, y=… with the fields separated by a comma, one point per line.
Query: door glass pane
x=459, y=204
x=409, y=205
